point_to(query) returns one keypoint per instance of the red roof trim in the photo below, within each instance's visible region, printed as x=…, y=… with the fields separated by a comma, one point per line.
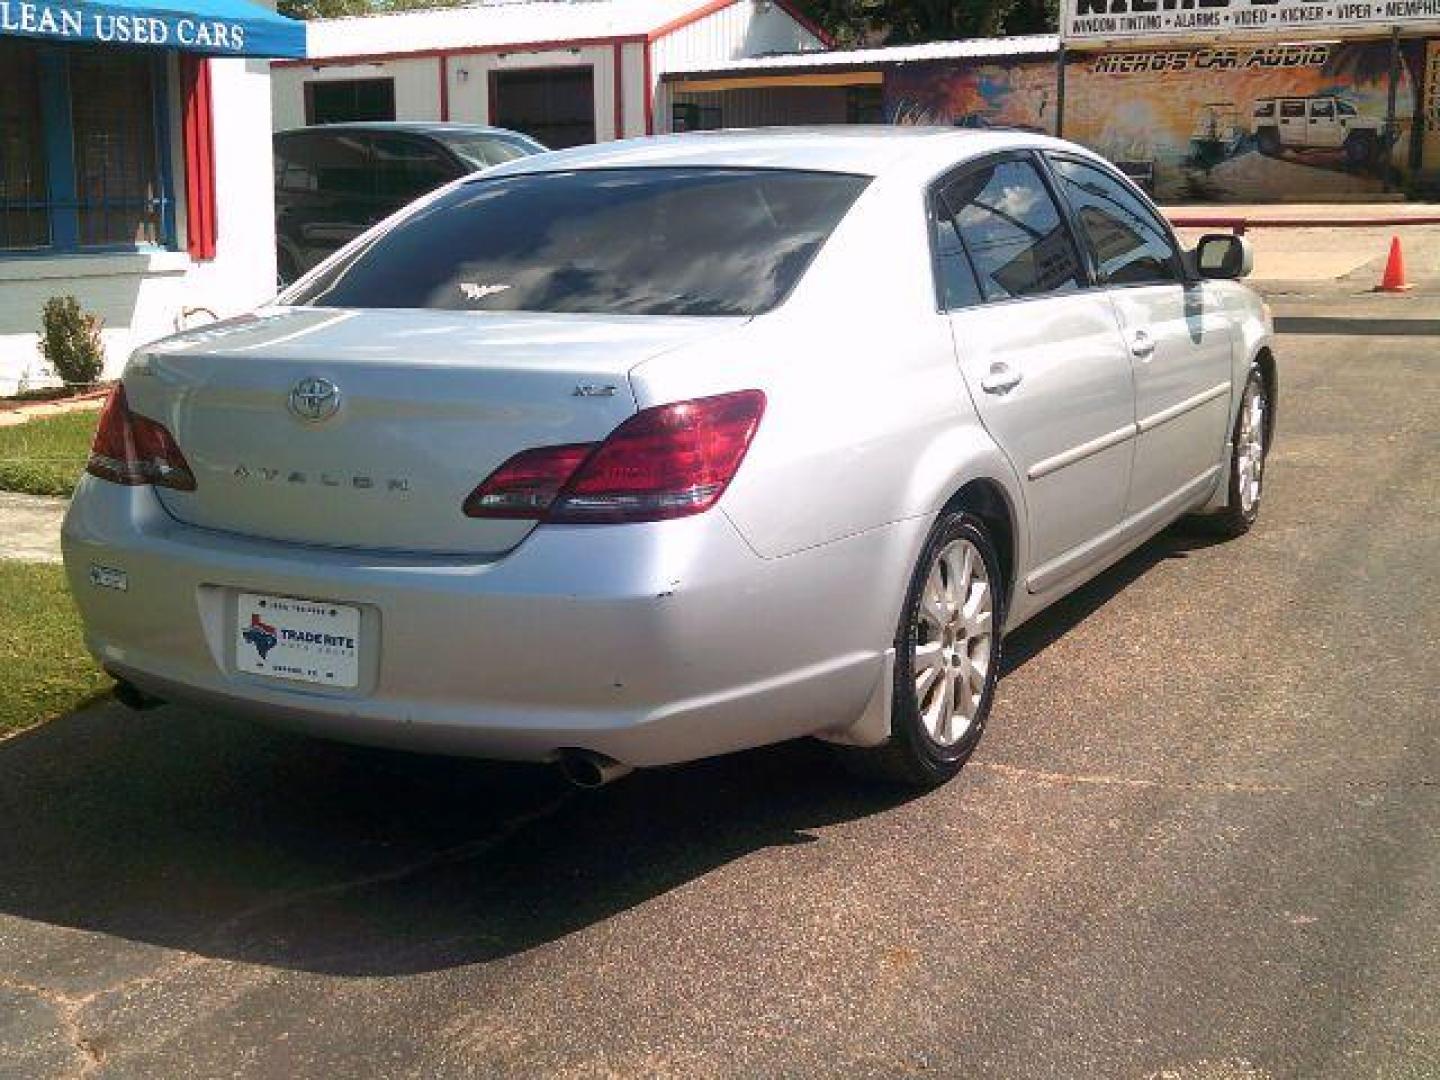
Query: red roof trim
x=797, y=13
x=787, y=6
x=618, y=81
x=649, y=93
x=686, y=20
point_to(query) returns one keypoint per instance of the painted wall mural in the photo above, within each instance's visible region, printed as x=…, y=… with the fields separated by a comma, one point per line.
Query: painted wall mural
x=1216, y=123
x=1430, y=106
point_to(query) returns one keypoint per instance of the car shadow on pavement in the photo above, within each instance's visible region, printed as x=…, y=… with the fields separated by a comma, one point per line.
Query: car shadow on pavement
x=190, y=831
x=183, y=829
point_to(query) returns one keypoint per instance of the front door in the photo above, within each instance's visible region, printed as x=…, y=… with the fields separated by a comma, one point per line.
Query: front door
x=1324, y=125
x=1042, y=359
x=1178, y=339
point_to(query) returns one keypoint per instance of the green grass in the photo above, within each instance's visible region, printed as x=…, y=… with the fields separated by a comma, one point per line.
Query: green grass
x=44, y=668
x=47, y=456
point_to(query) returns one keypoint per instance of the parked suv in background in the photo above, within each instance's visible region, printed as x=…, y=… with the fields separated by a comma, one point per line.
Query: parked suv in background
x=1325, y=122
x=334, y=182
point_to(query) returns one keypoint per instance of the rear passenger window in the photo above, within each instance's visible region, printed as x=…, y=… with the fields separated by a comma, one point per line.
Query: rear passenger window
x=1012, y=231
x=958, y=287
x=1128, y=242
x=405, y=169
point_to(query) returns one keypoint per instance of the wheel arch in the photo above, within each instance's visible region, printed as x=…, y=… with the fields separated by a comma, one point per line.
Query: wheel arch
x=988, y=499
x=1265, y=361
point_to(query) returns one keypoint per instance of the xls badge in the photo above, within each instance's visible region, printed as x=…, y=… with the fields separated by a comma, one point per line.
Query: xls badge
x=315, y=399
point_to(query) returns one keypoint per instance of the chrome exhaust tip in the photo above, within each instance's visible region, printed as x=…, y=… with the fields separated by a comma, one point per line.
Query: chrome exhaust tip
x=587, y=769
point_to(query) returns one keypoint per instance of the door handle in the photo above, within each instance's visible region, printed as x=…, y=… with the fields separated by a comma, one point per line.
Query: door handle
x=1142, y=344
x=1002, y=378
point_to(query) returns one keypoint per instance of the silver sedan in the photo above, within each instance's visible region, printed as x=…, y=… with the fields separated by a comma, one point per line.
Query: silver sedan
x=653, y=450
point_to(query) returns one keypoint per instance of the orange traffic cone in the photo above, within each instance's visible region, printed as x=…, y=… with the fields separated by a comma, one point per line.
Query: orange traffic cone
x=1394, y=277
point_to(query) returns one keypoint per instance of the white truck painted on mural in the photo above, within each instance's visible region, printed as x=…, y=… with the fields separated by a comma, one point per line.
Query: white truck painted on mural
x=1322, y=122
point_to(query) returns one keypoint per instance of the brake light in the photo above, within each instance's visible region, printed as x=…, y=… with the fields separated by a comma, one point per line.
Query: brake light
x=664, y=462
x=135, y=450
x=527, y=484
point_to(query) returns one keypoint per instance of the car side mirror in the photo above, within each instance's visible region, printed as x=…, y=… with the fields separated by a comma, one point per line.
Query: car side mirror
x=1222, y=256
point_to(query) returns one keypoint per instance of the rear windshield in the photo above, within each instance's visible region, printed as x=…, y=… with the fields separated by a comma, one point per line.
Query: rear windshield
x=678, y=241
x=482, y=151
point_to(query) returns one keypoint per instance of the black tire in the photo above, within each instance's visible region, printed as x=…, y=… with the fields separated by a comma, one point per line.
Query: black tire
x=910, y=756
x=1240, y=513
x=1267, y=141
x=1360, y=148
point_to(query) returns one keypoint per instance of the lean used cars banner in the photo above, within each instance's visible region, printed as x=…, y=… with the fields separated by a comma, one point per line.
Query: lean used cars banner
x=1149, y=20
x=209, y=27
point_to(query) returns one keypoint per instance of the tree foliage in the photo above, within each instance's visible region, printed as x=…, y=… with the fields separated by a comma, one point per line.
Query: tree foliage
x=902, y=22
x=334, y=9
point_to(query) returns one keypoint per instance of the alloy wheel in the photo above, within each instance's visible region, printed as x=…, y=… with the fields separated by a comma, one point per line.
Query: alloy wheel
x=953, y=642
x=1250, y=449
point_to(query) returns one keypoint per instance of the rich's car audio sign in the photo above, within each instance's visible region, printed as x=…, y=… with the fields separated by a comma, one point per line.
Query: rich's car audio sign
x=1131, y=20
x=1220, y=58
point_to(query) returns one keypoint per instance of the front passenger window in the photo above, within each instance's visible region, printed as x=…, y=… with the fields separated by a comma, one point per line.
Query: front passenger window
x=1129, y=244
x=1013, y=232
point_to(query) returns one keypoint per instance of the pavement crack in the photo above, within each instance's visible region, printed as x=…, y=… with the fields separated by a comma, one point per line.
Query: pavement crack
x=457, y=853
x=1067, y=779
x=67, y=1009
x=1042, y=776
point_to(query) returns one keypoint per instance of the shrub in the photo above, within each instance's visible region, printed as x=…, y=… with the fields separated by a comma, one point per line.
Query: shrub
x=71, y=341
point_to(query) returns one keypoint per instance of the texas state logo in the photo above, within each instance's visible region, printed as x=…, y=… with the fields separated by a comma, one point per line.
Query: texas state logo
x=261, y=635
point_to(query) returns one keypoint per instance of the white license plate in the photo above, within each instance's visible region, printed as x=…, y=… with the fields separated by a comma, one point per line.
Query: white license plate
x=307, y=641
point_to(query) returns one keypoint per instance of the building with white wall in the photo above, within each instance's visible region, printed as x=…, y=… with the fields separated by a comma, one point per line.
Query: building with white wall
x=134, y=167
x=564, y=71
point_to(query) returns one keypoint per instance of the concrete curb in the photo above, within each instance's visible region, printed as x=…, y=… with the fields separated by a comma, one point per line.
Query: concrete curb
x=30, y=527
x=20, y=412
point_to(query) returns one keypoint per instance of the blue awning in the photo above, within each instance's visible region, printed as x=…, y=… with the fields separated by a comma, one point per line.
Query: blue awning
x=211, y=27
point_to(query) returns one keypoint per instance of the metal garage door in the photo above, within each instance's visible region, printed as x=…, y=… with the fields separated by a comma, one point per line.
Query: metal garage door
x=554, y=105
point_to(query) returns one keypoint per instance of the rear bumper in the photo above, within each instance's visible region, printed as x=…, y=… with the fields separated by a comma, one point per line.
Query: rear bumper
x=650, y=643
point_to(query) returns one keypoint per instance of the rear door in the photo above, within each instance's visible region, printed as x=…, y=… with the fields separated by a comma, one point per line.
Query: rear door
x=1178, y=338
x=1041, y=355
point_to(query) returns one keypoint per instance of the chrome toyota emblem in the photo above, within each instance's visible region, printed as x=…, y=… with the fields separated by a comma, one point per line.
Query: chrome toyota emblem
x=315, y=399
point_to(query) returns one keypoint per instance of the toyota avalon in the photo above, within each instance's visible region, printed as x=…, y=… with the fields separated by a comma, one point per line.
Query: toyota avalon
x=641, y=452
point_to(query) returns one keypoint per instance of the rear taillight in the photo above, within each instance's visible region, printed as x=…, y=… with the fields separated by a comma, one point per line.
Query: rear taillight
x=527, y=484
x=664, y=462
x=135, y=450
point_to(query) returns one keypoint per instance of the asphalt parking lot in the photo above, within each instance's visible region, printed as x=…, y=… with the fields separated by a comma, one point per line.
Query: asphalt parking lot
x=1199, y=842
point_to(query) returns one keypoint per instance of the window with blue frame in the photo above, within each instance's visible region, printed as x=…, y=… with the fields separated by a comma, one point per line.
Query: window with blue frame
x=84, y=155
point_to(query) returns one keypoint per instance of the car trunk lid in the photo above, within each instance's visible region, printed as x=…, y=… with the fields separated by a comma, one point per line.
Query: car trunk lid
x=426, y=404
